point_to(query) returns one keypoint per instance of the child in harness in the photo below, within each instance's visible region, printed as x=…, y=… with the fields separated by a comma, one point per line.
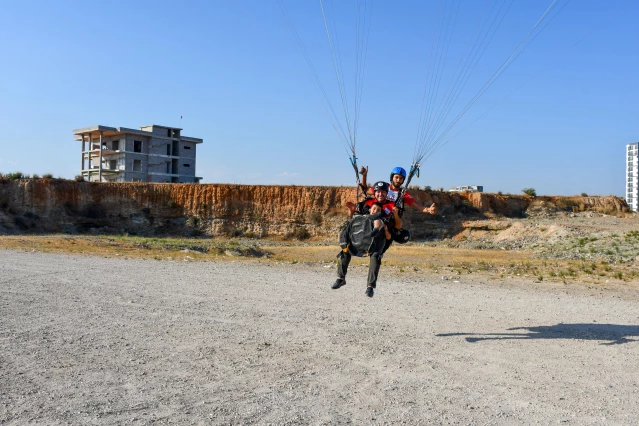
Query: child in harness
x=363, y=235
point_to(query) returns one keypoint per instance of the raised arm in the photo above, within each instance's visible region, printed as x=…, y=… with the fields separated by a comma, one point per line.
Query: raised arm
x=364, y=184
x=410, y=201
x=432, y=209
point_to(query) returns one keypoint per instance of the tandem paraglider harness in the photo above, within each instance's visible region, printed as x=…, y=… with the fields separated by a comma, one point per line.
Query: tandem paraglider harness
x=357, y=237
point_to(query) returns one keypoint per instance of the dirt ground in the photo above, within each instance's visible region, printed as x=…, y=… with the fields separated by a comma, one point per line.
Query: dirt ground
x=95, y=340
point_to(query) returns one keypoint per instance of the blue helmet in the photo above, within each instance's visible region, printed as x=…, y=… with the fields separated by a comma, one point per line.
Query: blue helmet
x=397, y=171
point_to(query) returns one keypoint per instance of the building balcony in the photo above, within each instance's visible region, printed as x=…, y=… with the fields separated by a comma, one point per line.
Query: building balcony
x=96, y=152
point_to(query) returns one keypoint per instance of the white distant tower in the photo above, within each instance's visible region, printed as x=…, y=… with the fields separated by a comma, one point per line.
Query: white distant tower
x=632, y=172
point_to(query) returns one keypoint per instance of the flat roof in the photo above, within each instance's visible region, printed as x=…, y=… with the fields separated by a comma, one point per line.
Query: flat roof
x=164, y=127
x=107, y=131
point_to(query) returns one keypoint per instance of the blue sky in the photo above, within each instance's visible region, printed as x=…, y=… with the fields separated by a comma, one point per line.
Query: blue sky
x=233, y=71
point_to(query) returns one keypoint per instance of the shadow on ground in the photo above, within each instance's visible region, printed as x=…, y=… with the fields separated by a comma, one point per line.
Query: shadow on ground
x=613, y=334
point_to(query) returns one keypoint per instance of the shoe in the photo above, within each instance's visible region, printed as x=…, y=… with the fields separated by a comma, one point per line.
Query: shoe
x=338, y=283
x=370, y=292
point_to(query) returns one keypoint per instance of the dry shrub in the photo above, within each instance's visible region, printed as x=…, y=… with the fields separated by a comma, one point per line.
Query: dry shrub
x=192, y=221
x=300, y=233
x=229, y=230
x=336, y=211
x=315, y=218
x=567, y=204
x=94, y=211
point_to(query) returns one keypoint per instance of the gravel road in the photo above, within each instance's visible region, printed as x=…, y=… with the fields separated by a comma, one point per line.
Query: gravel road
x=89, y=340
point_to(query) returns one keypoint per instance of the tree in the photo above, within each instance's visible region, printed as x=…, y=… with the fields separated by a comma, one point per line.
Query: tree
x=529, y=191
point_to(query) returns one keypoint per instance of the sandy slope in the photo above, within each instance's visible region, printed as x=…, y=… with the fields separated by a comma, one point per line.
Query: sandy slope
x=86, y=340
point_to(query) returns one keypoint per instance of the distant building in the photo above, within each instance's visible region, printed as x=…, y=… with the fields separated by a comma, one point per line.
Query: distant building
x=632, y=185
x=470, y=188
x=152, y=154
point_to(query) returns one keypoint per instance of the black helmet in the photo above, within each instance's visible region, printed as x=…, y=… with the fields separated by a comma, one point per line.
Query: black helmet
x=380, y=186
x=401, y=236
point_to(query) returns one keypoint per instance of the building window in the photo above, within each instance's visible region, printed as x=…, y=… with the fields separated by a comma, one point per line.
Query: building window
x=168, y=149
x=115, y=145
x=137, y=165
x=113, y=164
x=187, y=147
x=186, y=165
x=137, y=146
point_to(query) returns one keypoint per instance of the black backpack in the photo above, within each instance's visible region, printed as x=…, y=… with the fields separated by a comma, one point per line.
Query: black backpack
x=356, y=237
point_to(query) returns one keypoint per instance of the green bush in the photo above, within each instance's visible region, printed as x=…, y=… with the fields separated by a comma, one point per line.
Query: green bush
x=529, y=191
x=79, y=178
x=15, y=175
x=47, y=176
x=583, y=194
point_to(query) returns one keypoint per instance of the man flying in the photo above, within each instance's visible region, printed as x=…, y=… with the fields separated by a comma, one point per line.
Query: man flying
x=397, y=178
x=375, y=245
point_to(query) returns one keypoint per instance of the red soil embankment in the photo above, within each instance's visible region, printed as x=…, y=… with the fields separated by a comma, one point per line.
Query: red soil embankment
x=52, y=205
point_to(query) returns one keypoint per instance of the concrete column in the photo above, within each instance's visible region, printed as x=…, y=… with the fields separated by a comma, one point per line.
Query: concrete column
x=82, y=165
x=100, y=165
x=89, y=156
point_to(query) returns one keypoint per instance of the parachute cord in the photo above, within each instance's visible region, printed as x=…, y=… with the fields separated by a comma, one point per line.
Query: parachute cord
x=426, y=147
x=421, y=113
x=338, y=74
x=353, y=161
x=460, y=80
x=328, y=107
x=399, y=203
x=533, y=76
x=438, y=141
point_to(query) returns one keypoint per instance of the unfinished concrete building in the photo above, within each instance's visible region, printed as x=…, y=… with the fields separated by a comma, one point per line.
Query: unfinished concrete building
x=152, y=154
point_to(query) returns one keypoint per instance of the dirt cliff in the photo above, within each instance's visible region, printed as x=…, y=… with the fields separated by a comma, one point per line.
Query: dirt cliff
x=53, y=205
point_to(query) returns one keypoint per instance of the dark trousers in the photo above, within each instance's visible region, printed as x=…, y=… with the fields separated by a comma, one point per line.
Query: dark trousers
x=344, y=259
